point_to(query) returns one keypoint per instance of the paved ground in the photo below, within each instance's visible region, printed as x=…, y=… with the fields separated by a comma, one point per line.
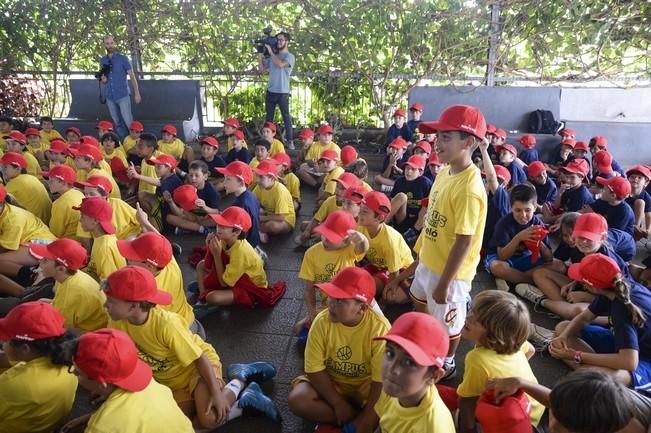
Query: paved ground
x=241, y=335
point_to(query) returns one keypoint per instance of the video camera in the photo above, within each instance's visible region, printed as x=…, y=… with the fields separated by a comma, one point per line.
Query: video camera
x=267, y=39
x=103, y=71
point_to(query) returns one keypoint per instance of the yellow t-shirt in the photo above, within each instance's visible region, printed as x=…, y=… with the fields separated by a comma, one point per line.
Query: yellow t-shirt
x=129, y=143
x=320, y=265
x=277, y=200
x=276, y=147
x=315, y=150
x=254, y=162
x=170, y=280
x=118, y=152
x=367, y=187
x=293, y=184
x=35, y=396
x=483, y=364
x=20, y=227
x=32, y=195
x=229, y=144
x=167, y=345
x=328, y=206
x=431, y=415
x=33, y=166
x=457, y=206
x=329, y=186
x=105, y=258
x=81, y=302
x=46, y=137
x=347, y=353
x=244, y=260
x=124, y=220
x=64, y=219
x=175, y=148
x=83, y=175
x=151, y=410
x=388, y=249
x=149, y=171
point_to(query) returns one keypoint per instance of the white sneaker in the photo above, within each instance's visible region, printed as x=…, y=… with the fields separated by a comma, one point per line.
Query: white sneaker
x=540, y=337
x=501, y=285
x=530, y=293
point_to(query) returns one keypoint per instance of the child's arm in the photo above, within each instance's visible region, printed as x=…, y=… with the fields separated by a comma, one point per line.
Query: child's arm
x=307, y=233
x=359, y=240
x=394, y=283
x=309, y=295
x=561, y=190
x=174, y=209
x=638, y=210
x=325, y=387
x=133, y=174
x=491, y=177
x=510, y=385
x=458, y=252
x=200, y=203
x=546, y=253
x=506, y=252
x=217, y=398
x=467, y=422
x=215, y=246
x=367, y=420
x=143, y=219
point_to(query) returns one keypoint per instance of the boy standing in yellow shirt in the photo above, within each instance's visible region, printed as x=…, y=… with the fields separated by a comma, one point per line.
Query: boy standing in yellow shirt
x=454, y=224
x=276, y=201
x=64, y=219
x=25, y=188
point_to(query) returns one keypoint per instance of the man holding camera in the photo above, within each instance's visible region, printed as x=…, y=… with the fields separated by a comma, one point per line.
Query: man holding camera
x=114, y=68
x=279, y=66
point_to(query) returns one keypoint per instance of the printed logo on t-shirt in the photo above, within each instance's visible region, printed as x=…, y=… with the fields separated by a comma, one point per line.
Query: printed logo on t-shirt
x=342, y=365
x=435, y=220
x=344, y=353
x=157, y=365
x=374, y=258
x=330, y=271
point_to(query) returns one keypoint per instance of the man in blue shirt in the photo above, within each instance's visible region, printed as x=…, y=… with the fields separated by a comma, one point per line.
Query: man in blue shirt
x=115, y=88
x=280, y=67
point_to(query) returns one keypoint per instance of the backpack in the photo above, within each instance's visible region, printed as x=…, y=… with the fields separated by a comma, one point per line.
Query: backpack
x=543, y=122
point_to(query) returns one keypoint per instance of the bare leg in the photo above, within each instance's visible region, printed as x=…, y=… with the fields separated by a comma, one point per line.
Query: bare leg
x=550, y=282
x=182, y=223
x=275, y=227
x=306, y=403
x=220, y=297
x=503, y=270
x=398, y=208
x=9, y=287
x=12, y=261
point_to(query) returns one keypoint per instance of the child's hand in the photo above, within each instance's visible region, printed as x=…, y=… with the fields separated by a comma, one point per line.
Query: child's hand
x=559, y=349
x=167, y=196
x=355, y=237
x=528, y=234
x=200, y=203
x=132, y=172
x=214, y=245
x=504, y=387
x=219, y=403
x=483, y=144
x=566, y=289
x=563, y=187
x=141, y=215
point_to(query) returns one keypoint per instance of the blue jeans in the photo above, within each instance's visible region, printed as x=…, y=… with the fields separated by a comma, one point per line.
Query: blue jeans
x=272, y=99
x=121, y=114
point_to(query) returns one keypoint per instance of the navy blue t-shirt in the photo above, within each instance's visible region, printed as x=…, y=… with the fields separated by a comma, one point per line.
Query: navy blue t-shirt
x=528, y=156
x=169, y=184
x=506, y=229
x=622, y=243
x=617, y=167
x=416, y=190
x=644, y=196
x=618, y=217
x=250, y=204
x=412, y=125
x=400, y=164
x=428, y=174
x=573, y=200
x=618, y=246
x=217, y=161
x=394, y=133
x=498, y=206
x=627, y=335
x=518, y=175
x=242, y=155
x=547, y=192
x=210, y=195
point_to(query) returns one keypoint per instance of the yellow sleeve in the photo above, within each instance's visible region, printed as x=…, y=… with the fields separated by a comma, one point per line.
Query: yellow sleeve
x=180, y=341
x=10, y=236
x=475, y=376
x=468, y=213
x=284, y=203
x=377, y=355
x=294, y=186
x=315, y=351
x=235, y=268
x=276, y=147
x=308, y=265
x=325, y=209
x=33, y=167
x=107, y=261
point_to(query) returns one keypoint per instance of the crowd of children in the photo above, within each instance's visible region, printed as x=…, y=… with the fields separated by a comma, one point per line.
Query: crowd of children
x=91, y=292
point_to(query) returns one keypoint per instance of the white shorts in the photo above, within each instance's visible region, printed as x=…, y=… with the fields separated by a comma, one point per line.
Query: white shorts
x=451, y=314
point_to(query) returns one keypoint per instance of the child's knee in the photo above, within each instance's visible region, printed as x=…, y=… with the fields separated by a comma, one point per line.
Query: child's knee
x=498, y=267
x=399, y=200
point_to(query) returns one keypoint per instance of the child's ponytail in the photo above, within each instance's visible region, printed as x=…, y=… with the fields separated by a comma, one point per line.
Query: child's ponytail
x=623, y=292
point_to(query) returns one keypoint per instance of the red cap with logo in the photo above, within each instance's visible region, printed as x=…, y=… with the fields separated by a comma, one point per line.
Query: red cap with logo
x=581, y=145
x=63, y=172
x=185, y=196
x=14, y=158
x=598, y=270
x=599, y=141
x=271, y=126
x=620, y=186
x=73, y=130
x=283, y=159
x=591, y=225
x=351, y=283
x=336, y=226
x=324, y=129
x=347, y=180
x=97, y=181
x=577, y=166
x=238, y=135
x=109, y=356
x=163, y=159
x=416, y=106
x=32, y=321
x=67, y=252
x=16, y=136
x=149, y=247
x=232, y=122
x=170, y=129
x=136, y=126
x=416, y=161
x=639, y=169
x=425, y=146
x=330, y=155
x=509, y=148
x=58, y=146
x=234, y=217
x=267, y=167
x=348, y=154
x=567, y=132
x=104, y=124
x=527, y=140
x=210, y=141
x=604, y=162
x=503, y=172
x=87, y=151
x=399, y=143
x=237, y=169
x=511, y=415
x=306, y=133
x=99, y=209
x=535, y=169
x=421, y=336
x=457, y=118
x=136, y=284
x=32, y=131
x=378, y=202
x=400, y=112
x=355, y=194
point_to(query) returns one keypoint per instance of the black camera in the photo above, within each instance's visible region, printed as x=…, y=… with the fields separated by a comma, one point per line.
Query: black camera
x=267, y=39
x=103, y=71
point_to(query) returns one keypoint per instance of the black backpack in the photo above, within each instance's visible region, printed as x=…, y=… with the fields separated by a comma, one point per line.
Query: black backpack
x=543, y=122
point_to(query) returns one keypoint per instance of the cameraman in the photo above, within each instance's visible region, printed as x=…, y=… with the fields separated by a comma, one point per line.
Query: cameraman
x=115, y=88
x=280, y=68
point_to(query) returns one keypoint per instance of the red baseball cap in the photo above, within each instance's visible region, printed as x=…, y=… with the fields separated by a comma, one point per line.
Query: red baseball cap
x=336, y=226
x=508, y=147
x=69, y=253
x=378, y=202
x=416, y=161
x=185, y=196
x=237, y=169
x=527, y=140
x=87, y=151
x=421, y=336
x=499, y=132
x=639, y=169
x=457, y=118
x=416, y=106
x=425, y=145
x=400, y=112
x=399, y=143
x=330, y=155
x=324, y=129
x=567, y=132
x=347, y=180
x=3, y=193
x=283, y=158
x=348, y=154
x=14, y=158
x=599, y=141
x=110, y=356
x=581, y=145
x=32, y=131
x=603, y=160
x=163, y=159
x=591, y=226
x=58, y=146
x=232, y=122
x=17, y=136
x=351, y=283
x=136, y=284
x=73, y=129
x=306, y=133
x=97, y=181
x=234, y=217
x=136, y=126
x=511, y=415
x=89, y=140
x=536, y=168
x=434, y=159
x=32, y=321
x=149, y=247
x=170, y=129
x=598, y=270
x=568, y=141
x=210, y=141
x=238, y=134
x=98, y=209
x=63, y=172
x=620, y=186
x=577, y=166
x=490, y=128
x=355, y=194
x=104, y=124
x=271, y=126
x=267, y=168
x=503, y=172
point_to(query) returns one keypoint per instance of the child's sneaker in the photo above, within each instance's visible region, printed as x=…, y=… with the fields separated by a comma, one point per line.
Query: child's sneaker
x=253, y=398
x=450, y=368
x=540, y=337
x=501, y=285
x=201, y=311
x=530, y=293
x=260, y=371
x=411, y=235
x=386, y=188
x=263, y=255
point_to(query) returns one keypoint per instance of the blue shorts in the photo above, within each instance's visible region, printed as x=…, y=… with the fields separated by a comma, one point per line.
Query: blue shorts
x=602, y=340
x=521, y=263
